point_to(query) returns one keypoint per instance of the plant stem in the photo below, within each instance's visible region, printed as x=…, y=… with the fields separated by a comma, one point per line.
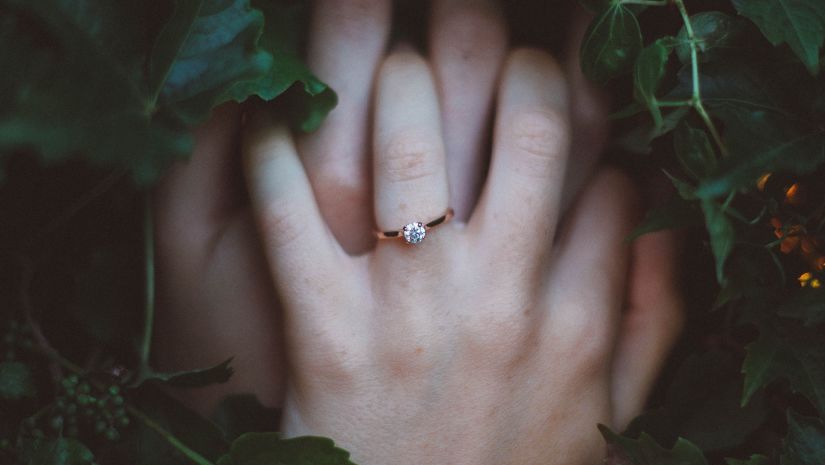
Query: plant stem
x=675, y=103
x=696, y=101
x=149, y=256
x=137, y=413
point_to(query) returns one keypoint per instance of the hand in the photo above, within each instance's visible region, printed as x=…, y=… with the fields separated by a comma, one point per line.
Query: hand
x=500, y=341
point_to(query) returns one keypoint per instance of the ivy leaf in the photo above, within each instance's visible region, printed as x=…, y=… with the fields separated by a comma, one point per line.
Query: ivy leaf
x=714, y=32
x=805, y=443
x=753, y=460
x=611, y=44
x=648, y=73
x=799, y=23
x=271, y=449
x=15, y=381
x=217, y=374
x=55, y=451
x=800, y=360
x=721, y=233
x=243, y=413
x=694, y=151
x=645, y=450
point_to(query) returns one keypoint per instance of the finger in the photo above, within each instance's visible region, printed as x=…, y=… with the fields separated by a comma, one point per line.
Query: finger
x=410, y=172
x=588, y=112
x=588, y=275
x=301, y=250
x=347, y=41
x=520, y=202
x=468, y=40
x=201, y=194
x=650, y=326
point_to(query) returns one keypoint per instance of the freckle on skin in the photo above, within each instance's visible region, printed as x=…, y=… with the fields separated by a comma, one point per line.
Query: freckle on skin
x=419, y=350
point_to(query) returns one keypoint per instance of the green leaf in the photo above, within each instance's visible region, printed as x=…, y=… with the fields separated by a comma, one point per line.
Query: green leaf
x=15, y=381
x=799, y=23
x=119, y=83
x=243, y=413
x=714, y=32
x=648, y=73
x=645, y=450
x=217, y=374
x=639, y=139
x=611, y=44
x=753, y=460
x=805, y=443
x=721, y=233
x=807, y=305
x=694, y=151
x=675, y=213
x=55, y=451
x=800, y=360
x=271, y=449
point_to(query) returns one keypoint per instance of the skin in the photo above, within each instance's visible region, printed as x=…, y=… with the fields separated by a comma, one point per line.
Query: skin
x=505, y=337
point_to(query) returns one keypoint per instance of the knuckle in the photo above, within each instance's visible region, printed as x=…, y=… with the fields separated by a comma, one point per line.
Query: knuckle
x=503, y=340
x=333, y=362
x=587, y=347
x=540, y=138
x=281, y=224
x=407, y=158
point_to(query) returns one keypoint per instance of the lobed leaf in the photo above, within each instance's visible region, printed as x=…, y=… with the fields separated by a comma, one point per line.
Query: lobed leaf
x=799, y=23
x=645, y=450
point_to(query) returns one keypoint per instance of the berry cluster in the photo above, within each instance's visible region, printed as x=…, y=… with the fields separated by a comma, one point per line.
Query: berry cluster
x=82, y=405
x=16, y=339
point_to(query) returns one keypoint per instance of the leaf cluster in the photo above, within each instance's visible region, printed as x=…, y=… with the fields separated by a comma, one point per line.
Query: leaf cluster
x=727, y=99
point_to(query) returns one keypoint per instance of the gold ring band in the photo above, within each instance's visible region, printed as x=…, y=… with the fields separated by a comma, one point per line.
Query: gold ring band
x=415, y=232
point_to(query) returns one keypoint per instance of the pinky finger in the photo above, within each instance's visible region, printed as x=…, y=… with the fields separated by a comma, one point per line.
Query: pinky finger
x=651, y=325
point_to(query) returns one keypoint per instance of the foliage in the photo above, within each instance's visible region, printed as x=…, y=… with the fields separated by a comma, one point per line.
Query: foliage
x=726, y=97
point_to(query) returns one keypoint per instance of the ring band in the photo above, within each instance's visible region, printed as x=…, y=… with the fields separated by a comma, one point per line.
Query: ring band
x=415, y=232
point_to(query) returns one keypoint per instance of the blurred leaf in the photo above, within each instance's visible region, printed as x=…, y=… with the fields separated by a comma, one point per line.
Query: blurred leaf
x=55, y=451
x=799, y=23
x=15, y=381
x=694, y=151
x=648, y=73
x=753, y=460
x=675, y=213
x=611, y=44
x=639, y=139
x=270, y=449
x=217, y=374
x=243, y=413
x=800, y=360
x=805, y=443
x=645, y=450
x=714, y=32
x=806, y=305
x=706, y=414
x=721, y=233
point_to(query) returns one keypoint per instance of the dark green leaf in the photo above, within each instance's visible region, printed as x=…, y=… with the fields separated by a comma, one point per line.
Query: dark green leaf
x=721, y=235
x=800, y=360
x=805, y=443
x=639, y=139
x=55, y=451
x=243, y=413
x=799, y=23
x=270, y=449
x=753, y=460
x=807, y=305
x=675, y=213
x=611, y=44
x=695, y=409
x=645, y=450
x=694, y=151
x=217, y=374
x=714, y=32
x=647, y=75
x=15, y=381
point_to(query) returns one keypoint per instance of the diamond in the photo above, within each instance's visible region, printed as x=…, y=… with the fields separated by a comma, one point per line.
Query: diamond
x=414, y=233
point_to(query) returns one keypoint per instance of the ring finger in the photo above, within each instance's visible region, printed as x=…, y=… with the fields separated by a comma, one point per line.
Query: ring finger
x=409, y=167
